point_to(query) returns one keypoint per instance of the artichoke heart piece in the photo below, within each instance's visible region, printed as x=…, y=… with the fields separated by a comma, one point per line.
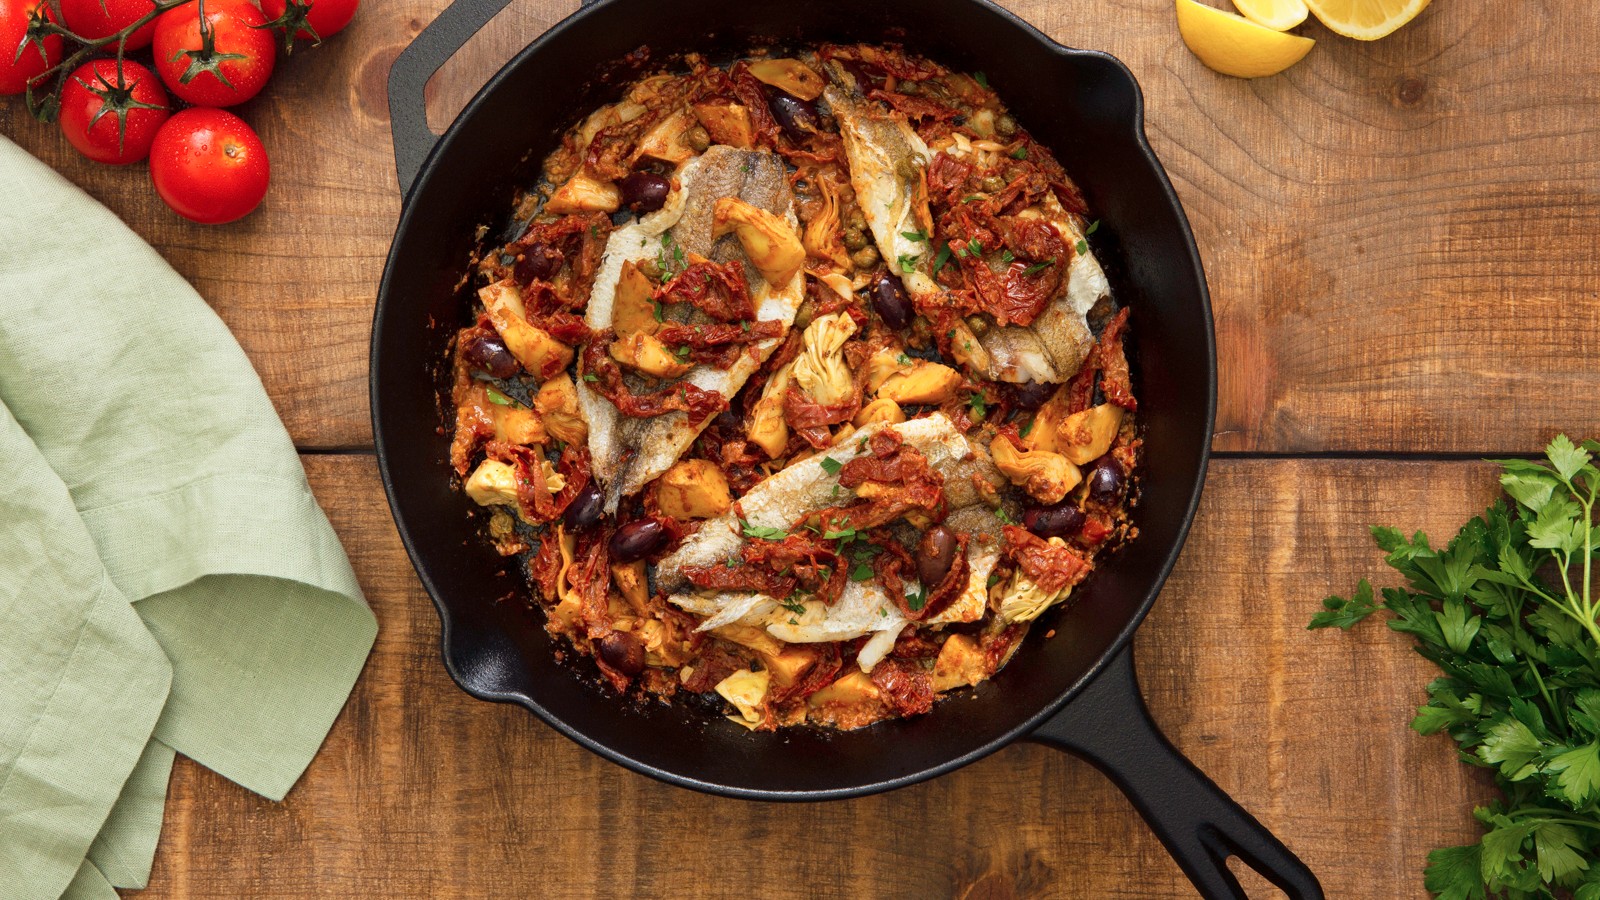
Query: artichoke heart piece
x=773, y=247
x=517, y=425
x=745, y=690
x=881, y=410
x=790, y=76
x=1024, y=599
x=1086, y=436
x=647, y=354
x=820, y=369
x=768, y=429
x=961, y=662
x=693, y=489
x=493, y=483
x=542, y=355
x=922, y=382
x=584, y=193
x=727, y=123
x=635, y=309
x=1046, y=476
x=557, y=404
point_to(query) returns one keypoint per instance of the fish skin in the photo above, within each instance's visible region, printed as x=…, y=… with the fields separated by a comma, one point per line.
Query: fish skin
x=628, y=453
x=803, y=487
x=878, y=143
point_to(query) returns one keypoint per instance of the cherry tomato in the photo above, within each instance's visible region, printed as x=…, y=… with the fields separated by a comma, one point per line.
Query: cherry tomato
x=209, y=166
x=227, y=59
x=112, y=118
x=19, y=63
x=95, y=19
x=317, y=19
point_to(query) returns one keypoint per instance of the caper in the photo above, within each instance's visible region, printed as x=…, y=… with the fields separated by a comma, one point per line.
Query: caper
x=856, y=220
x=698, y=138
x=910, y=88
x=854, y=239
x=977, y=326
x=865, y=258
x=992, y=183
x=1006, y=125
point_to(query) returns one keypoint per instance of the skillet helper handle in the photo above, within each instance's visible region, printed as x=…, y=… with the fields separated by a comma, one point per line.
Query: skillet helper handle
x=408, y=77
x=1200, y=825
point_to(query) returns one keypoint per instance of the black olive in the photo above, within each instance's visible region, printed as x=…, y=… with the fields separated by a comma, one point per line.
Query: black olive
x=539, y=262
x=585, y=509
x=890, y=300
x=644, y=192
x=1060, y=520
x=623, y=652
x=797, y=117
x=1106, y=479
x=636, y=540
x=728, y=421
x=1030, y=394
x=935, y=554
x=488, y=353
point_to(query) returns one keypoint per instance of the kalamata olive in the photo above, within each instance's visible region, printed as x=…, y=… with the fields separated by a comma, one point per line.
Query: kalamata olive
x=890, y=300
x=1061, y=520
x=644, y=192
x=636, y=540
x=935, y=553
x=1030, y=394
x=623, y=652
x=865, y=258
x=728, y=421
x=797, y=117
x=489, y=354
x=538, y=262
x=1105, y=479
x=585, y=509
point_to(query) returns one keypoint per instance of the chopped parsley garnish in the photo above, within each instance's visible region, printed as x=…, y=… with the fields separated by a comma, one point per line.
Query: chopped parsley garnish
x=970, y=198
x=1020, y=153
x=981, y=79
x=903, y=360
x=845, y=534
x=794, y=606
x=1004, y=517
x=973, y=247
x=993, y=579
x=913, y=236
x=940, y=260
x=918, y=600
x=861, y=572
x=498, y=398
x=594, y=231
x=1007, y=257
x=1038, y=267
x=660, y=311
x=1093, y=227
x=908, y=263
x=762, y=531
x=745, y=325
x=590, y=376
x=682, y=353
x=978, y=404
x=1082, y=247
x=1027, y=427
x=831, y=465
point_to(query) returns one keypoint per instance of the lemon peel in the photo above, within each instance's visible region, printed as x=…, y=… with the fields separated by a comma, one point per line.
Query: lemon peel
x=1236, y=46
x=1366, y=20
x=1279, y=15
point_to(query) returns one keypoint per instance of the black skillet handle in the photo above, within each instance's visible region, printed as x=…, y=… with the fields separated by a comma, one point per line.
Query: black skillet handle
x=408, y=118
x=1108, y=725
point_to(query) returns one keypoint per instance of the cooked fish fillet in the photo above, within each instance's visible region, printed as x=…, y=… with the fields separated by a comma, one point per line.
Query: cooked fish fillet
x=627, y=453
x=805, y=487
x=887, y=159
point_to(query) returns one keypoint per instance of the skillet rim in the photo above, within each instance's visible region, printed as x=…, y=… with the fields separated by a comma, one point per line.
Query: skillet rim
x=1122, y=641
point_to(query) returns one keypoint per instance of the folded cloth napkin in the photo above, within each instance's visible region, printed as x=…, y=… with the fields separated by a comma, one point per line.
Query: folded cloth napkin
x=167, y=581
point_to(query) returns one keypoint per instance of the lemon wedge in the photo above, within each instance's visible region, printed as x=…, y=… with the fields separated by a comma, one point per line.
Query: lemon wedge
x=1237, y=46
x=1279, y=15
x=1366, y=20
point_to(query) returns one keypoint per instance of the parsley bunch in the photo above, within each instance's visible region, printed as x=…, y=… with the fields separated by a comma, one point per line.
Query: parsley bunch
x=1507, y=612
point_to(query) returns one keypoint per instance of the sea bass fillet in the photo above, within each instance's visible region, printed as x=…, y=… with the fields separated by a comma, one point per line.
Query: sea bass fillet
x=627, y=453
x=887, y=164
x=805, y=487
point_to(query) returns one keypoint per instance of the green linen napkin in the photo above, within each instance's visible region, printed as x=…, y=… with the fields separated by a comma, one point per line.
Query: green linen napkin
x=144, y=465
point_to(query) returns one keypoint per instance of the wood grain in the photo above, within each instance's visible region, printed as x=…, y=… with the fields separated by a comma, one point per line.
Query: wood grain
x=1397, y=234
x=423, y=791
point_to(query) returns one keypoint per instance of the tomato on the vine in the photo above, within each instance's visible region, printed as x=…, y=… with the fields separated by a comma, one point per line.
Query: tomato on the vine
x=209, y=166
x=20, y=58
x=218, y=59
x=312, y=20
x=95, y=19
x=112, y=115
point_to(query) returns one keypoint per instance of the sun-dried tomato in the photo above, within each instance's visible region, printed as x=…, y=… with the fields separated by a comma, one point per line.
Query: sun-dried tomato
x=1051, y=567
x=699, y=404
x=901, y=483
x=1115, y=380
x=716, y=289
x=810, y=419
x=750, y=92
x=722, y=577
x=814, y=677
x=544, y=566
x=907, y=688
x=718, y=346
x=916, y=108
x=807, y=557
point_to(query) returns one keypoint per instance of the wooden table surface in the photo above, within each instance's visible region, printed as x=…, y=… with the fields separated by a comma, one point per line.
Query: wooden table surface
x=1400, y=243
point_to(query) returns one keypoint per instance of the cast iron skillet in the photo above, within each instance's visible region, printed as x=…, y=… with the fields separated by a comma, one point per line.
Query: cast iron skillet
x=1075, y=691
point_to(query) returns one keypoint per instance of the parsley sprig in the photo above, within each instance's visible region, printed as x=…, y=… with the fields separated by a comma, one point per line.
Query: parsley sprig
x=1508, y=612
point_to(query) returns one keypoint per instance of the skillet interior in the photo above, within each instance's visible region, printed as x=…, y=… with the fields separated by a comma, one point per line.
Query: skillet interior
x=1085, y=106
